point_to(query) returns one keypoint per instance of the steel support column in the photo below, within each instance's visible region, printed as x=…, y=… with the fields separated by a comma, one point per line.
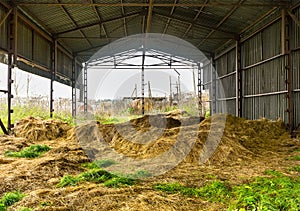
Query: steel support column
x=12, y=61
x=238, y=81
x=85, y=98
x=143, y=81
x=213, y=92
x=74, y=67
x=53, y=72
x=199, y=86
x=289, y=71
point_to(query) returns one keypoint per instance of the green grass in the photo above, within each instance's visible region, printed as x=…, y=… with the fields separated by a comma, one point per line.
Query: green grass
x=297, y=150
x=2, y=207
x=33, y=151
x=277, y=192
x=117, y=182
x=295, y=168
x=214, y=191
x=99, y=164
x=97, y=176
x=23, y=111
x=10, y=198
x=24, y=209
x=297, y=157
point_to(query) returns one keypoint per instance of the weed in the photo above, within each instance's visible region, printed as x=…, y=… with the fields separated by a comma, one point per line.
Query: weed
x=297, y=157
x=295, y=168
x=277, y=193
x=2, y=207
x=273, y=173
x=95, y=175
x=169, y=187
x=24, y=209
x=68, y=180
x=104, y=163
x=141, y=174
x=29, y=152
x=10, y=198
x=116, y=182
x=263, y=193
x=99, y=176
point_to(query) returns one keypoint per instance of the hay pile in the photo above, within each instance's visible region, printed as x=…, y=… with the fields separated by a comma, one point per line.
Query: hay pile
x=36, y=129
x=240, y=149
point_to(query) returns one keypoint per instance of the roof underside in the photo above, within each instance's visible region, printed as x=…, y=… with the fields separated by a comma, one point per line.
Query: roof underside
x=84, y=26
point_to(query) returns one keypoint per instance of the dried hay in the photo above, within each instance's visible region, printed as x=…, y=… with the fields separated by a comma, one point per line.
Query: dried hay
x=247, y=148
x=36, y=129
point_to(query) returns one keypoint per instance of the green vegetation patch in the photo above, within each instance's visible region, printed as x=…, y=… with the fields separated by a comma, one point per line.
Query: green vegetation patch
x=297, y=157
x=24, y=209
x=214, y=191
x=97, y=176
x=10, y=198
x=277, y=192
x=99, y=164
x=295, y=168
x=33, y=151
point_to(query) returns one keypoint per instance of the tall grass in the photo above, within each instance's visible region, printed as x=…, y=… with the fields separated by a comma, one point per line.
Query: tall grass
x=23, y=111
x=275, y=192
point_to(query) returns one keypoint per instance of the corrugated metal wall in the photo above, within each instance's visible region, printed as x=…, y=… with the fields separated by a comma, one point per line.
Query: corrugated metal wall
x=3, y=31
x=36, y=49
x=226, y=89
x=264, y=73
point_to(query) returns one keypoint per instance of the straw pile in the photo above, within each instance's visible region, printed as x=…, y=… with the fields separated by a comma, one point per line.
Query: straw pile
x=241, y=149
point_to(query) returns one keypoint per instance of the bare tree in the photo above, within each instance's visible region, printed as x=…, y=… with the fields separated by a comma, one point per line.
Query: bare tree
x=29, y=78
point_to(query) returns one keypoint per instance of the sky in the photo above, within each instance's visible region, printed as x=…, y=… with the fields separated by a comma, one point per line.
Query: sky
x=38, y=86
x=102, y=84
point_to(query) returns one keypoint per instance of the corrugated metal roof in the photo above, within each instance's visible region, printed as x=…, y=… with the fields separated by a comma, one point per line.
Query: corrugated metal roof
x=193, y=20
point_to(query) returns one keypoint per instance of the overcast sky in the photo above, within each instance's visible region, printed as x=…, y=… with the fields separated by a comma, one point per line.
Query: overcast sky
x=102, y=84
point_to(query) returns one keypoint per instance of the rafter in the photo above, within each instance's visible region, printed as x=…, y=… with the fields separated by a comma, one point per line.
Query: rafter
x=222, y=21
x=89, y=49
x=149, y=15
x=100, y=19
x=211, y=4
x=169, y=19
x=195, y=23
x=5, y=16
x=195, y=18
x=96, y=23
x=124, y=20
x=74, y=22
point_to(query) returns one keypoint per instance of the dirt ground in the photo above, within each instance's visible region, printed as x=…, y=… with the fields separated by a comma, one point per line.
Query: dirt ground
x=245, y=150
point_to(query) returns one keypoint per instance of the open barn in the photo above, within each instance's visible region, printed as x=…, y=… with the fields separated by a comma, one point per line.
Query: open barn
x=231, y=143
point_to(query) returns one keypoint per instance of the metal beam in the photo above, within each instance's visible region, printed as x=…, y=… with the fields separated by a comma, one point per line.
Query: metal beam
x=149, y=15
x=124, y=21
x=195, y=24
x=100, y=20
x=294, y=17
x=259, y=19
x=212, y=4
x=5, y=17
x=89, y=49
x=5, y=4
x=222, y=21
x=169, y=19
x=195, y=18
x=119, y=37
x=96, y=23
x=74, y=22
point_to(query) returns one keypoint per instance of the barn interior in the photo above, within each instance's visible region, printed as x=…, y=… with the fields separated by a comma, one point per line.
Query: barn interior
x=246, y=159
